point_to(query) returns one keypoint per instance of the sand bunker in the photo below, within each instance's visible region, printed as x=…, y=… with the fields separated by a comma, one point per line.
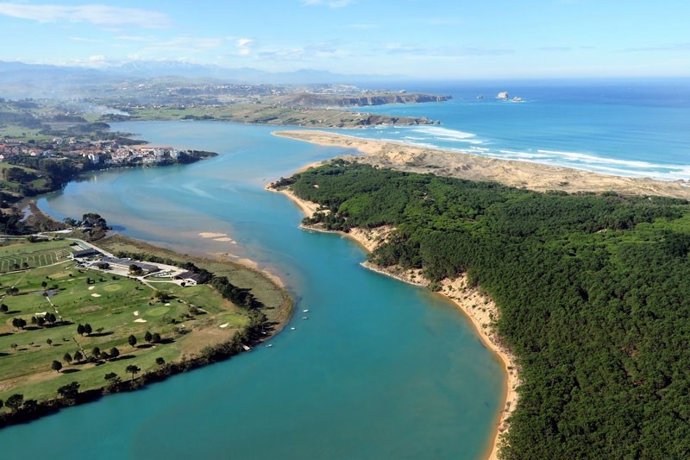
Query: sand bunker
x=91, y=288
x=95, y=295
x=136, y=313
x=224, y=325
x=140, y=320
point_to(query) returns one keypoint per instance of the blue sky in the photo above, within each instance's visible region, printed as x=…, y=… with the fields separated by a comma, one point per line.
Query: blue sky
x=418, y=38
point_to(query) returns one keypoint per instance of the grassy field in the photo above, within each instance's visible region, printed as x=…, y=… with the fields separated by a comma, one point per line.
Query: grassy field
x=22, y=133
x=17, y=254
x=272, y=115
x=277, y=303
x=115, y=307
x=38, y=185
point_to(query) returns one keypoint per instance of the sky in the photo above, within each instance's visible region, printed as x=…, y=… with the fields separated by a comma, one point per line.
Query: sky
x=434, y=39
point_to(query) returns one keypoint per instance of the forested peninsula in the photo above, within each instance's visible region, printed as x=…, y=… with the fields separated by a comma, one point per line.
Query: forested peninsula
x=592, y=289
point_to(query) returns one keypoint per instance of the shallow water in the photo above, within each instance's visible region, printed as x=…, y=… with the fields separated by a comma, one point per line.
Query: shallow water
x=380, y=370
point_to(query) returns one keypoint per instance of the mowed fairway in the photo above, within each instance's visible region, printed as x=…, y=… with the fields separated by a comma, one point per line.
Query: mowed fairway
x=115, y=307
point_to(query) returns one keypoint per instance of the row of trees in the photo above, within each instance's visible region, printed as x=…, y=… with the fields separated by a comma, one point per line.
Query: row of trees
x=592, y=289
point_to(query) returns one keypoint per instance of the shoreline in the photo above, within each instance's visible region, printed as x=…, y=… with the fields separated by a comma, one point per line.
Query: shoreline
x=217, y=352
x=480, y=318
x=519, y=174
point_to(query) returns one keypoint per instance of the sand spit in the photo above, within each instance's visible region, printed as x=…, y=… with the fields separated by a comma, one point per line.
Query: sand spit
x=521, y=174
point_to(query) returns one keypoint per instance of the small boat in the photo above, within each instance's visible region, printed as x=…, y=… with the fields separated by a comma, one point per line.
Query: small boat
x=305, y=317
x=306, y=310
x=292, y=328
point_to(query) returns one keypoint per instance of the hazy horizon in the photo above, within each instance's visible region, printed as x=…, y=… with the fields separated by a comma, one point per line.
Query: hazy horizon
x=444, y=40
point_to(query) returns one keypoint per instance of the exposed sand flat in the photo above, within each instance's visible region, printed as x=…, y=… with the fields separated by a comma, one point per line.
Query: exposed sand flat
x=212, y=235
x=534, y=176
x=478, y=308
x=224, y=239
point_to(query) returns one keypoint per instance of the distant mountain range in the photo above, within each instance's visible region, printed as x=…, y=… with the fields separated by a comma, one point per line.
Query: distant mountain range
x=18, y=79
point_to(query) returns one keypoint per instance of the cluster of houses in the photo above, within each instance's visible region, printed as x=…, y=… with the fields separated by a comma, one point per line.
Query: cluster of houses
x=90, y=257
x=146, y=154
x=97, y=152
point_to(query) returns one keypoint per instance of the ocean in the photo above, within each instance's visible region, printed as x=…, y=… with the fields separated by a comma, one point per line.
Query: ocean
x=622, y=127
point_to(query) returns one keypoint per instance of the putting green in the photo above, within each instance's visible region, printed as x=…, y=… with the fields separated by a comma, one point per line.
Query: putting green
x=157, y=311
x=112, y=288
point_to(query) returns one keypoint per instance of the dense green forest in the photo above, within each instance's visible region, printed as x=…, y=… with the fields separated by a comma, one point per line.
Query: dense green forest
x=593, y=290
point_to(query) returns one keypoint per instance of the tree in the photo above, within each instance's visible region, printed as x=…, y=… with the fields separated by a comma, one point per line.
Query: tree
x=80, y=329
x=112, y=378
x=162, y=296
x=19, y=323
x=96, y=352
x=44, y=284
x=148, y=337
x=114, y=352
x=67, y=358
x=56, y=366
x=14, y=402
x=132, y=369
x=160, y=361
x=132, y=340
x=87, y=329
x=156, y=338
x=69, y=391
x=51, y=318
x=49, y=342
x=4, y=308
x=30, y=406
x=78, y=356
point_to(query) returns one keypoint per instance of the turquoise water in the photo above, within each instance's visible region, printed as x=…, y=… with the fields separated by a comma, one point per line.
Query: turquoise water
x=630, y=128
x=380, y=370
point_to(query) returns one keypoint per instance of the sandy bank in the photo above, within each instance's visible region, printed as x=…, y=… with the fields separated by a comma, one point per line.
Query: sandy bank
x=480, y=310
x=534, y=176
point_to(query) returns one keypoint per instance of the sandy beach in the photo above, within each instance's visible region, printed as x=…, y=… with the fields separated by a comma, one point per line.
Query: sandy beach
x=478, y=308
x=521, y=174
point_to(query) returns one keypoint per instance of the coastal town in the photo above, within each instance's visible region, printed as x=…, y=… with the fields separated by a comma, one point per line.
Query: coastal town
x=112, y=152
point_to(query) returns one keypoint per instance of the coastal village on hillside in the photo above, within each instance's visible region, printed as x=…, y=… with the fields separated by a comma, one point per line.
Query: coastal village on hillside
x=100, y=152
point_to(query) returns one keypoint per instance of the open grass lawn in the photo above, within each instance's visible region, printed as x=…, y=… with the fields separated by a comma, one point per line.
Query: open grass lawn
x=115, y=307
x=21, y=132
x=278, y=304
x=17, y=254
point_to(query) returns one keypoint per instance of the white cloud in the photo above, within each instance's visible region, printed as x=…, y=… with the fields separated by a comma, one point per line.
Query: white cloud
x=102, y=15
x=328, y=3
x=244, y=46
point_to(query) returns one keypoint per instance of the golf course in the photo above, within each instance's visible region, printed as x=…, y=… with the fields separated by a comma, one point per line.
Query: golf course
x=62, y=323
